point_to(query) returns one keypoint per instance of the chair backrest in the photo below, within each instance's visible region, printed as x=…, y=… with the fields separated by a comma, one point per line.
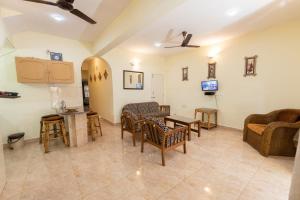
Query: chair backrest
x=142, y=108
x=155, y=130
x=289, y=115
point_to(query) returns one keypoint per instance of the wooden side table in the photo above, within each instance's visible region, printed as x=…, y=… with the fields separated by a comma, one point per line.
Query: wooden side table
x=209, y=111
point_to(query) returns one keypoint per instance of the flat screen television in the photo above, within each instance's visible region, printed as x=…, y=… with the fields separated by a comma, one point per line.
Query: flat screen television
x=209, y=85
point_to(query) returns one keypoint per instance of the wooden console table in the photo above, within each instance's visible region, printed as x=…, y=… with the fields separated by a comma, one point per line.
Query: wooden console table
x=209, y=111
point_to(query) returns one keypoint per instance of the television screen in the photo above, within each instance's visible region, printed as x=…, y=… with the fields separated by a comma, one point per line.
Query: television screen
x=209, y=85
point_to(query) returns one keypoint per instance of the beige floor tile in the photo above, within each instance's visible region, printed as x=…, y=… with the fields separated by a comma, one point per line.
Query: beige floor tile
x=217, y=166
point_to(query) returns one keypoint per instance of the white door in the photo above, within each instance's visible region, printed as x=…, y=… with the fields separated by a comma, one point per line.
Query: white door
x=157, y=93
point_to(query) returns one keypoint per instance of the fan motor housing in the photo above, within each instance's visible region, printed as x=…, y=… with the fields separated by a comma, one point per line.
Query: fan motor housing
x=64, y=4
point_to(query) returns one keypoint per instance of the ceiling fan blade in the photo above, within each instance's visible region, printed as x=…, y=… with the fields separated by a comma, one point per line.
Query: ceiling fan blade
x=78, y=13
x=186, y=40
x=172, y=47
x=192, y=46
x=43, y=2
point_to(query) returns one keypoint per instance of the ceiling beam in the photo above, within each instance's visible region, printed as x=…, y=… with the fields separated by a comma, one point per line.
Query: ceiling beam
x=137, y=15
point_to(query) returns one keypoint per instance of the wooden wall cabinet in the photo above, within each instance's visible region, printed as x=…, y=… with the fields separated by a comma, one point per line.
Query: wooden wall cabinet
x=34, y=70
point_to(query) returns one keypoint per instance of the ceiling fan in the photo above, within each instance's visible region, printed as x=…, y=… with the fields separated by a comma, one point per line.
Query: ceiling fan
x=186, y=40
x=66, y=5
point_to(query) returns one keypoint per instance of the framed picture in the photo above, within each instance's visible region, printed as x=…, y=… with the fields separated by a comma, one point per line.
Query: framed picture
x=133, y=80
x=56, y=56
x=211, y=70
x=185, y=74
x=250, y=66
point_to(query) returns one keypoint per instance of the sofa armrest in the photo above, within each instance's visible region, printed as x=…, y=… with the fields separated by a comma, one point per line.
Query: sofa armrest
x=259, y=119
x=276, y=128
x=165, y=108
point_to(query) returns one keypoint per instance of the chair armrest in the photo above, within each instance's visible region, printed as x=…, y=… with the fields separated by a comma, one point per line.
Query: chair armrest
x=275, y=125
x=175, y=136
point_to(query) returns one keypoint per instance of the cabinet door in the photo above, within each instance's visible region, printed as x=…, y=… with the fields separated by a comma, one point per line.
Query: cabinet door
x=31, y=70
x=60, y=72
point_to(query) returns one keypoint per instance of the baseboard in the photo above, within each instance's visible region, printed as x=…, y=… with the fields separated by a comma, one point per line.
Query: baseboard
x=32, y=140
x=229, y=128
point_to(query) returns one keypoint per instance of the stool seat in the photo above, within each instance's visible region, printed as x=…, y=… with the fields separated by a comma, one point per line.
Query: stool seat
x=91, y=113
x=49, y=119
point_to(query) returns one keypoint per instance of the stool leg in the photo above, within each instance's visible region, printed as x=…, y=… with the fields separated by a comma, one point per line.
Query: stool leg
x=46, y=138
x=64, y=134
x=100, y=129
x=93, y=129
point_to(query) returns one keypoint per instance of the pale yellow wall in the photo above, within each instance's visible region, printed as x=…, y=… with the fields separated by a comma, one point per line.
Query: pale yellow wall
x=119, y=60
x=24, y=114
x=275, y=86
x=101, y=91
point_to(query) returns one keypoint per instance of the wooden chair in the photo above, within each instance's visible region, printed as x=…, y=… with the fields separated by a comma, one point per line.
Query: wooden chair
x=49, y=130
x=94, y=125
x=132, y=124
x=156, y=133
x=42, y=123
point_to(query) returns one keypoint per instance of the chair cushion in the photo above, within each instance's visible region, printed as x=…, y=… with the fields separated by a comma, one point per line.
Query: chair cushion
x=257, y=128
x=288, y=116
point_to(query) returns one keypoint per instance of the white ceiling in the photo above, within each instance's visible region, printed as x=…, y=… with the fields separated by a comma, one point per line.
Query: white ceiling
x=208, y=22
x=35, y=17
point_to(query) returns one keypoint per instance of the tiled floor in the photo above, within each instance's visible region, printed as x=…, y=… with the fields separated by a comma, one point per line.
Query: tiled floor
x=218, y=165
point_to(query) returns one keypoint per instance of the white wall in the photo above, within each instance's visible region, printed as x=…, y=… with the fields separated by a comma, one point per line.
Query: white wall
x=23, y=114
x=2, y=165
x=119, y=60
x=276, y=85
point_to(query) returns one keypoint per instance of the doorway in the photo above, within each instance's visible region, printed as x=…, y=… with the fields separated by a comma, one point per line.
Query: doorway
x=157, y=91
x=85, y=88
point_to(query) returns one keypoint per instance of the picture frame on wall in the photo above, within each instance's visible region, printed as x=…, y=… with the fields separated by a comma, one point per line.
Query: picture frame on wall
x=133, y=80
x=211, y=70
x=56, y=56
x=250, y=66
x=185, y=74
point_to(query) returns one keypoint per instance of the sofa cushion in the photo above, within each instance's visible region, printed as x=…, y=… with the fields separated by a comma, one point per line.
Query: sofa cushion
x=143, y=108
x=153, y=107
x=257, y=128
x=288, y=116
x=131, y=107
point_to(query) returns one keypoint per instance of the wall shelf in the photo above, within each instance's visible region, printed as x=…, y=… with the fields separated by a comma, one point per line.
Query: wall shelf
x=9, y=97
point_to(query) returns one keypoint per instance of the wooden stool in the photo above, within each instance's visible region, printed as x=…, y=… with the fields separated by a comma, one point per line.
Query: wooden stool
x=48, y=125
x=94, y=125
x=42, y=123
x=209, y=111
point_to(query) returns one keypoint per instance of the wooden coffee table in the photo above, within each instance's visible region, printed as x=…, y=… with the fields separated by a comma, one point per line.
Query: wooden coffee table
x=179, y=120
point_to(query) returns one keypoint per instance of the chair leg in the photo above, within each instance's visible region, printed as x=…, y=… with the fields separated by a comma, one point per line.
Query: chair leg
x=133, y=138
x=184, y=148
x=64, y=134
x=46, y=138
x=163, y=157
x=142, y=144
x=41, y=131
x=122, y=133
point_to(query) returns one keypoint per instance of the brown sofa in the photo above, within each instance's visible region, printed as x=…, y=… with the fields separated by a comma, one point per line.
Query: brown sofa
x=273, y=133
x=134, y=114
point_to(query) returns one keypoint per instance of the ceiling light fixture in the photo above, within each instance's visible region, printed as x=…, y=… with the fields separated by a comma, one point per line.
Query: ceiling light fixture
x=283, y=3
x=157, y=44
x=232, y=12
x=57, y=17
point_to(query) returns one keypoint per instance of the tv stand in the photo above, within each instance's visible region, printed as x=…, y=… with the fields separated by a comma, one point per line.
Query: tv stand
x=208, y=111
x=209, y=93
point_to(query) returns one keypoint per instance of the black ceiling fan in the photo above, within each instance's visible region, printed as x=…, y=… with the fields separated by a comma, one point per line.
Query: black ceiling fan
x=186, y=40
x=66, y=5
